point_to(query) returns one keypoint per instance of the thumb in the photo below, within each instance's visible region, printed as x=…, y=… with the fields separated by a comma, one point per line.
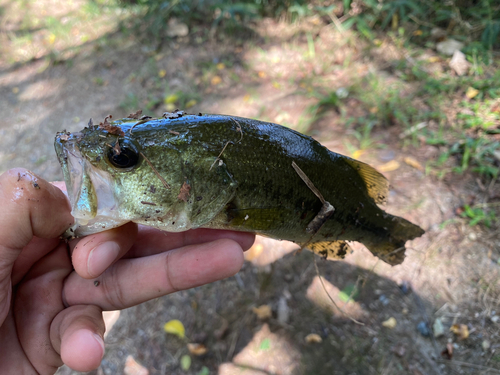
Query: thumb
x=30, y=207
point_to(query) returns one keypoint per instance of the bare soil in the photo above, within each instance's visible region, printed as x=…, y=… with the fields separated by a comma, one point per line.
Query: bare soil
x=451, y=273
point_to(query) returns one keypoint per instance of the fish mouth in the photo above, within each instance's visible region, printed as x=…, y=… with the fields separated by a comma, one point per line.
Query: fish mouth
x=73, y=166
x=90, y=190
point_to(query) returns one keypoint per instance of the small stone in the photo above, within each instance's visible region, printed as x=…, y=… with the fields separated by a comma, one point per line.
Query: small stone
x=449, y=46
x=383, y=299
x=283, y=311
x=495, y=318
x=486, y=345
x=438, y=328
x=405, y=287
x=423, y=328
x=459, y=63
x=405, y=311
x=472, y=236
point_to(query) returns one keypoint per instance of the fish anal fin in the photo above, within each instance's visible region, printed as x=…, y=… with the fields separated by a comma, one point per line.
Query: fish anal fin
x=332, y=250
x=376, y=184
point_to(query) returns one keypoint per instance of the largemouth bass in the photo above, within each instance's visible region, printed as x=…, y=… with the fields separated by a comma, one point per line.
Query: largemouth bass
x=183, y=171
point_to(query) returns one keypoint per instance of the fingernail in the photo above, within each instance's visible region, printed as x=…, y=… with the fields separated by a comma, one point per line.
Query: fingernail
x=99, y=339
x=101, y=257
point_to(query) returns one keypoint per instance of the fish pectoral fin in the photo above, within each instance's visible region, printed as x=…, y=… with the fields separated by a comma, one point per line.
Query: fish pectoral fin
x=332, y=250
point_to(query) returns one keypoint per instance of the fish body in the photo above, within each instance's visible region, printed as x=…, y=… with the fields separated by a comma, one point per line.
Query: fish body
x=224, y=172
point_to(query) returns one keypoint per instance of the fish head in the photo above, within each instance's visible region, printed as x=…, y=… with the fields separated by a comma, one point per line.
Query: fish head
x=110, y=182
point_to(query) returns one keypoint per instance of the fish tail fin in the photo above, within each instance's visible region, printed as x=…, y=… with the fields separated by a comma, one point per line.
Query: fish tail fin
x=391, y=248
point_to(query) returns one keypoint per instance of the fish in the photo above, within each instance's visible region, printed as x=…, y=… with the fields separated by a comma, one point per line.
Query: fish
x=183, y=171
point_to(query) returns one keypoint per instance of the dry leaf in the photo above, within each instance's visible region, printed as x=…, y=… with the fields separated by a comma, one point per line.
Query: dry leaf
x=263, y=312
x=197, y=349
x=356, y=154
x=412, y=162
x=389, y=166
x=390, y=323
x=313, y=338
x=184, y=192
x=175, y=327
x=215, y=80
x=471, y=92
x=461, y=330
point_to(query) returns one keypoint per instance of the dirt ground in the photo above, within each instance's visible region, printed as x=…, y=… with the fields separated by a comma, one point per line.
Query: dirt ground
x=451, y=274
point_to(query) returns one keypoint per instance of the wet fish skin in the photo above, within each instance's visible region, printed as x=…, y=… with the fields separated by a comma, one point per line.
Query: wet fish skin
x=227, y=172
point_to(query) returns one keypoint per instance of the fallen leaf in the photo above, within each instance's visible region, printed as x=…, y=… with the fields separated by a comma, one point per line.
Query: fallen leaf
x=215, y=80
x=412, y=162
x=263, y=312
x=162, y=73
x=471, y=92
x=262, y=74
x=175, y=327
x=190, y=104
x=356, y=154
x=185, y=362
x=313, y=338
x=197, y=349
x=135, y=115
x=389, y=166
x=171, y=99
x=390, y=323
x=461, y=330
x=221, y=66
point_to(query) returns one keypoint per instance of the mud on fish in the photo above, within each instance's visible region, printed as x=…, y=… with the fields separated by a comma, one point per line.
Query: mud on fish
x=182, y=171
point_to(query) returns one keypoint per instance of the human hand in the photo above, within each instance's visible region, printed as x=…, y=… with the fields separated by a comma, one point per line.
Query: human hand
x=50, y=312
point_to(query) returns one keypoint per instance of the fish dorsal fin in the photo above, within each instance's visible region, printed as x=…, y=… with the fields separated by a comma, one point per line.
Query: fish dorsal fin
x=332, y=250
x=376, y=184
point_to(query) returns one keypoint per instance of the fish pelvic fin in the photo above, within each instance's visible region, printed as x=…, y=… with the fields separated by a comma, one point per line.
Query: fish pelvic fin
x=392, y=249
x=376, y=184
x=332, y=250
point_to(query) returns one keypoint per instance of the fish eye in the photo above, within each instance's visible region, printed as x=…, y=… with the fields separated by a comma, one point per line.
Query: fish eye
x=123, y=156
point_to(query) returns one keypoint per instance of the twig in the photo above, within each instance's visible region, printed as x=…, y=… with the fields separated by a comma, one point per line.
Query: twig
x=167, y=186
x=218, y=157
x=330, y=297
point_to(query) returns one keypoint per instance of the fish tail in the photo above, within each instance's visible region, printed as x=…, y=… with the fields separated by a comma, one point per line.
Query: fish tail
x=391, y=248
